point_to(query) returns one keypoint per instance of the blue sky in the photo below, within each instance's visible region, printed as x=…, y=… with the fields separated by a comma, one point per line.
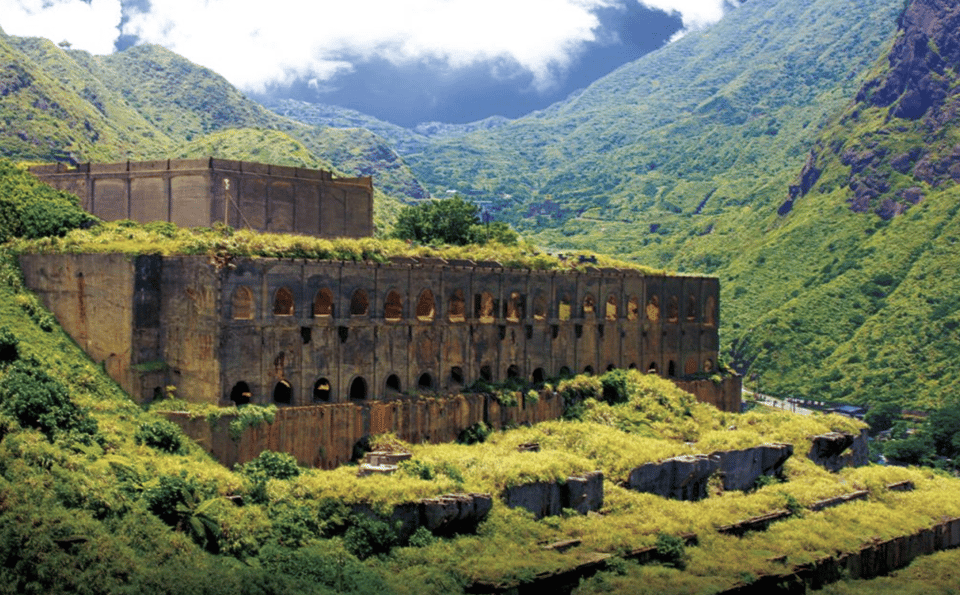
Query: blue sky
x=404, y=61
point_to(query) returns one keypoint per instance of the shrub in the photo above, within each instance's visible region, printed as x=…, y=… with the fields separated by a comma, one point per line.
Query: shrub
x=367, y=536
x=162, y=435
x=271, y=465
x=478, y=432
x=671, y=551
x=614, y=385
x=36, y=400
x=9, y=350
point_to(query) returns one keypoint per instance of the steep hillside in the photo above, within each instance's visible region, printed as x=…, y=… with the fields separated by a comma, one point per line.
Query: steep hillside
x=855, y=281
x=675, y=144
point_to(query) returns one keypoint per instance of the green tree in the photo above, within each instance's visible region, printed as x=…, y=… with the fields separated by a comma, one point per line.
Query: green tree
x=881, y=416
x=449, y=221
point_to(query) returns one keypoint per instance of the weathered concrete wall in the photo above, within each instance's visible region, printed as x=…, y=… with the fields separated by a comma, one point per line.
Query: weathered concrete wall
x=449, y=514
x=583, y=493
x=725, y=396
x=201, y=192
x=687, y=477
x=324, y=435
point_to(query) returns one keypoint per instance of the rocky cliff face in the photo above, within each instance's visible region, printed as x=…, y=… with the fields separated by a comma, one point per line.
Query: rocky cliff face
x=918, y=97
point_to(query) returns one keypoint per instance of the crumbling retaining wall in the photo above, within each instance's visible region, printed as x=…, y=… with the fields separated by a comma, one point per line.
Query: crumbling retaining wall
x=444, y=515
x=324, y=436
x=836, y=450
x=686, y=477
x=582, y=493
x=725, y=396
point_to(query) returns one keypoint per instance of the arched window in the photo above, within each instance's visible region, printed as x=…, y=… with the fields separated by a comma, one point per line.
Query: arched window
x=283, y=302
x=323, y=304
x=515, y=307
x=393, y=308
x=539, y=308
x=425, y=382
x=691, y=308
x=242, y=303
x=563, y=308
x=484, y=307
x=653, y=368
x=632, y=366
x=653, y=308
x=673, y=309
x=456, y=375
x=240, y=394
x=457, y=311
x=672, y=369
x=710, y=311
x=283, y=393
x=589, y=306
x=393, y=384
x=633, y=308
x=359, y=306
x=426, y=308
x=321, y=390
x=565, y=372
x=358, y=389
x=611, y=367
x=513, y=372
x=486, y=374
x=588, y=370
x=611, y=308
x=539, y=376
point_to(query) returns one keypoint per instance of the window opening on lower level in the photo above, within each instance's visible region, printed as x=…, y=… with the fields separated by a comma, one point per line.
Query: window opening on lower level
x=358, y=389
x=240, y=394
x=321, y=390
x=393, y=384
x=425, y=382
x=283, y=393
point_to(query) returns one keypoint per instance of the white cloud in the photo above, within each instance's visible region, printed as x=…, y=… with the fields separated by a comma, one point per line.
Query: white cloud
x=253, y=43
x=92, y=26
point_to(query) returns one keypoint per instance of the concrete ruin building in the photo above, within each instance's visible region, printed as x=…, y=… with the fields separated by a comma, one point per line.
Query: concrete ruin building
x=308, y=334
x=203, y=192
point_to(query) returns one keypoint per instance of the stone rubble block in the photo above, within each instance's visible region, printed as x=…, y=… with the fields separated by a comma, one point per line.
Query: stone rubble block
x=681, y=478
x=835, y=450
x=582, y=493
x=741, y=468
x=454, y=513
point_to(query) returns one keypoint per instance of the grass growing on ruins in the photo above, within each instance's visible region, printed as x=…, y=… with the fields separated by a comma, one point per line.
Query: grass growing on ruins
x=222, y=243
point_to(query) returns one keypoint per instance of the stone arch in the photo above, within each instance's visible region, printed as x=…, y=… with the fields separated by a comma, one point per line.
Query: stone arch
x=563, y=307
x=425, y=381
x=610, y=309
x=283, y=302
x=321, y=390
x=691, y=308
x=539, y=376
x=393, y=307
x=486, y=373
x=653, y=368
x=633, y=308
x=673, y=309
x=457, y=310
x=426, y=306
x=516, y=306
x=672, y=369
x=283, y=393
x=690, y=367
x=359, y=304
x=513, y=371
x=242, y=303
x=565, y=372
x=589, y=306
x=323, y=303
x=588, y=370
x=358, y=389
x=392, y=386
x=710, y=311
x=485, y=308
x=240, y=393
x=611, y=367
x=456, y=376
x=632, y=366
x=653, y=308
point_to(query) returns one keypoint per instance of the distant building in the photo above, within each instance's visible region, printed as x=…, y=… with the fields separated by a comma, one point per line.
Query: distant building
x=202, y=192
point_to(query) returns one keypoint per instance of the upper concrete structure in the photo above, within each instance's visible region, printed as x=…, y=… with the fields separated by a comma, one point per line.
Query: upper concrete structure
x=201, y=192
